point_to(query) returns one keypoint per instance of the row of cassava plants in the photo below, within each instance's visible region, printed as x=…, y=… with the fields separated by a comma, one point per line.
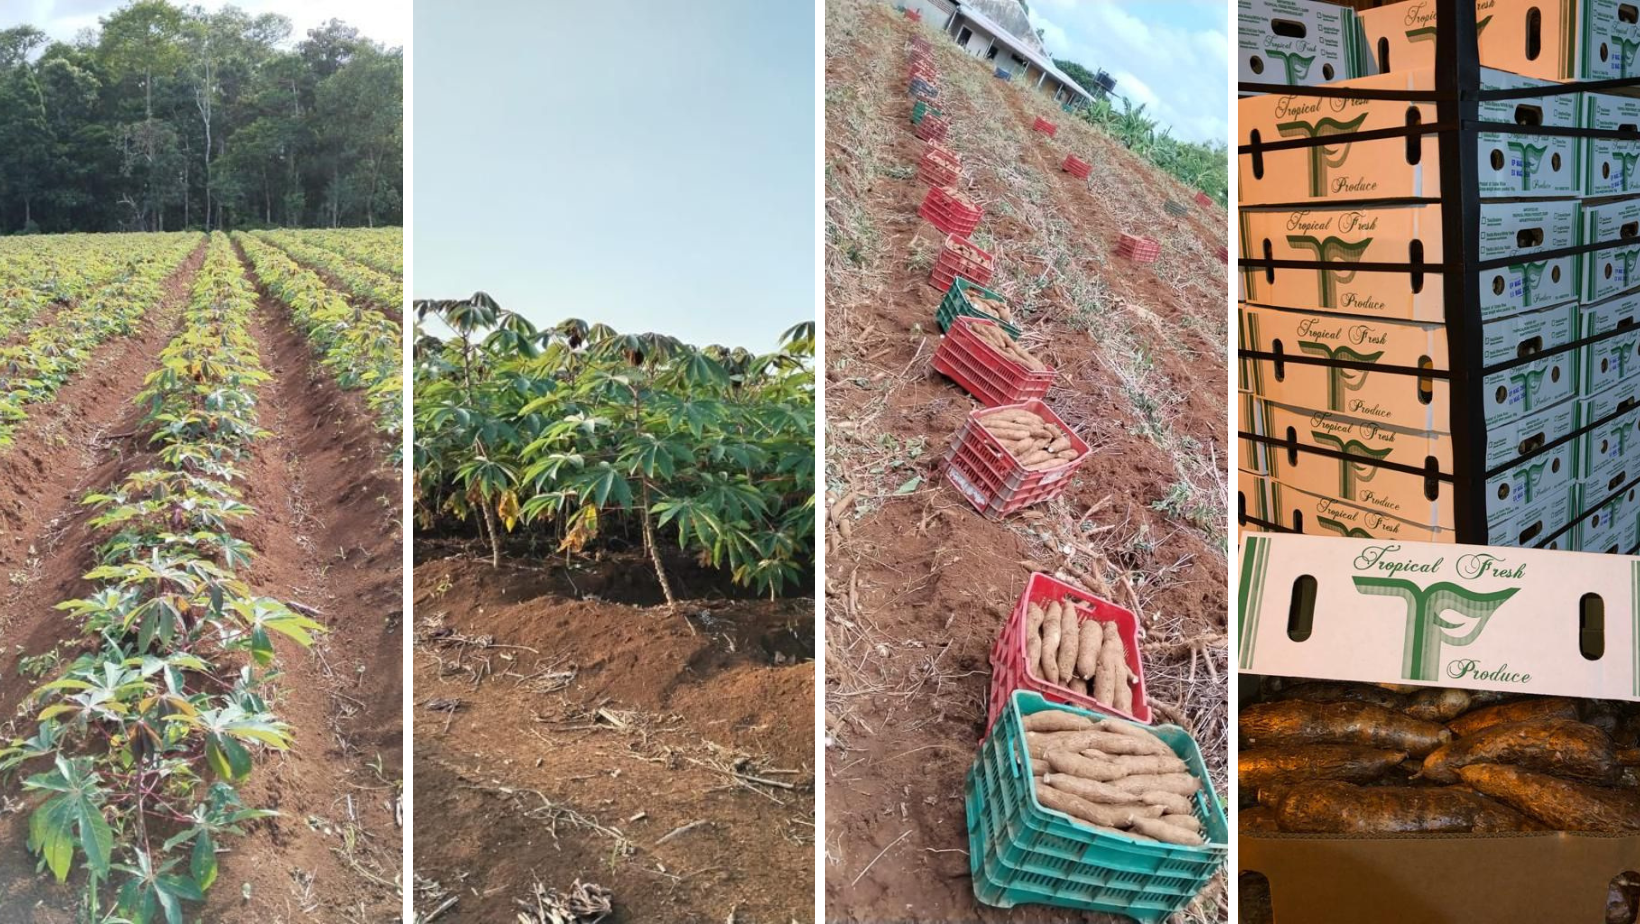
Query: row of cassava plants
x=35, y=368
x=143, y=740
x=358, y=280
x=360, y=346
x=380, y=249
x=578, y=434
x=37, y=271
x=1202, y=166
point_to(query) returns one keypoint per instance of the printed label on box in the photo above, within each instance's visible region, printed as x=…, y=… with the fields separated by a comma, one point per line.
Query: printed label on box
x=1347, y=235
x=1611, y=271
x=1319, y=515
x=1402, y=35
x=1474, y=617
x=1327, y=45
x=1609, y=164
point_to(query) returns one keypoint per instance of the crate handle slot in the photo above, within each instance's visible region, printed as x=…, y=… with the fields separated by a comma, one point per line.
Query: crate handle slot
x=1432, y=478
x=1591, y=627
x=1301, y=609
x=1534, y=33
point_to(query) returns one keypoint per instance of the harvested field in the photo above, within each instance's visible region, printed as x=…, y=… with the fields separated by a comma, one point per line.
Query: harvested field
x=919, y=584
x=564, y=737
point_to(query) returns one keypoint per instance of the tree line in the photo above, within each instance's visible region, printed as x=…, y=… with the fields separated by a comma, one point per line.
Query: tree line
x=168, y=117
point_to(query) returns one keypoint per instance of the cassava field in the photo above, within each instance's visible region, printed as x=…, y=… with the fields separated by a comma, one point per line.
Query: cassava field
x=614, y=639
x=917, y=583
x=199, y=577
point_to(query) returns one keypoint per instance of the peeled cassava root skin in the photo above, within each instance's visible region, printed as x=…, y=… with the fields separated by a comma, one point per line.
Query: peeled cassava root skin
x=1065, y=647
x=1036, y=444
x=1113, y=776
x=1283, y=766
x=1296, y=722
x=999, y=340
x=1563, y=747
x=1335, y=807
x=1563, y=805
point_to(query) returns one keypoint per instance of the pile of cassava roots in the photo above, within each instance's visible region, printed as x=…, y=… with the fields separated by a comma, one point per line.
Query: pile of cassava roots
x=1332, y=757
x=1035, y=443
x=1084, y=656
x=1113, y=776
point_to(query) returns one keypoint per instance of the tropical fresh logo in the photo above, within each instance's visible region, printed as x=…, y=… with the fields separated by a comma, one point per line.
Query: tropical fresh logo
x=1625, y=53
x=1350, y=472
x=1625, y=166
x=1296, y=65
x=1340, y=380
x=1427, y=627
x=1322, y=157
x=1527, y=381
x=1529, y=275
x=1528, y=477
x=1629, y=257
x=1331, y=250
x=1427, y=33
x=1530, y=158
x=1345, y=530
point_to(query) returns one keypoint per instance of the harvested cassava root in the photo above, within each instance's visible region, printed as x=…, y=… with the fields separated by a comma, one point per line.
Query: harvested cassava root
x=995, y=307
x=1114, y=776
x=1004, y=344
x=1333, y=757
x=1037, y=444
x=1082, y=655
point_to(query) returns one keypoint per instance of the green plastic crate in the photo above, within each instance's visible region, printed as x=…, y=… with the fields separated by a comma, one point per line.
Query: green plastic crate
x=956, y=303
x=1023, y=853
x=921, y=108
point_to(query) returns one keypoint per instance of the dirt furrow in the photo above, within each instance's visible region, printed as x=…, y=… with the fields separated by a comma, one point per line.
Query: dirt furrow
x=327, y=532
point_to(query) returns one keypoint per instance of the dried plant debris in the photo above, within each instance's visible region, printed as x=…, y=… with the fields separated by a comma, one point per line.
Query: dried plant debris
x=585, y=903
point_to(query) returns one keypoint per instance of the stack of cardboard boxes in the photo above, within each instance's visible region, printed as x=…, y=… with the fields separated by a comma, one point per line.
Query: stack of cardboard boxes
x=1363, y=444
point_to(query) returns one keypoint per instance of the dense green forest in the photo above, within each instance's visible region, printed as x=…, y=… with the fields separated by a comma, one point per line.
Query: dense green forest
x=169, y=117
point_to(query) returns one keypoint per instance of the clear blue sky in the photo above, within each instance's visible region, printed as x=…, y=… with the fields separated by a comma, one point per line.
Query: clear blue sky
x=644, y=164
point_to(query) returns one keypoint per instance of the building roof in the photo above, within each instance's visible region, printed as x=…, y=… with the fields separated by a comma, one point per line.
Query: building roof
x=1019, y=46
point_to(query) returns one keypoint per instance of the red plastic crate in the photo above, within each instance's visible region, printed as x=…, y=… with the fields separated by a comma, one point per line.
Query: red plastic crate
x=953, y=262
x=1204, y=200
x=939, y=165
x=1044, y=126
x=1077, y=167
x=932, y=128
x=1138, y=249
x=913, y=15
x=993, y=480
x=918, y=42
x=983, y=371
x=944, y=209
x=1224, y=255
x=924, y=67
x=1008, y=671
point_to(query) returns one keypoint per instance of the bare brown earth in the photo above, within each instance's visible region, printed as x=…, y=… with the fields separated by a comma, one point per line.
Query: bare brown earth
x=561, y=736
x=918, y=584
x=328, y=537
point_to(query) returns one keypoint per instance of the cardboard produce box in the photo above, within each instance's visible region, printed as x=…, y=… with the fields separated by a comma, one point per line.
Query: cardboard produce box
x=1425, y=615
x=1346, y=234
x=1252, y=453
x=1535, y=38
x=1608, y=32
x=1614, y=270
x=1297, y=42
x=1252, y=497
x=1507, y=165
x=1621, y=310
x=1400, y=399
x=1300, y=511
x=1609, y=164
x=1605, y=362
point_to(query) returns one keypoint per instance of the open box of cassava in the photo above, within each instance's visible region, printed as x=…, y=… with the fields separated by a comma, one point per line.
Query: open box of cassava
x=1435, y=733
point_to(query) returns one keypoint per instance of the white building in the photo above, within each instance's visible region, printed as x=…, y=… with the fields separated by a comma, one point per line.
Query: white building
x=991, y=29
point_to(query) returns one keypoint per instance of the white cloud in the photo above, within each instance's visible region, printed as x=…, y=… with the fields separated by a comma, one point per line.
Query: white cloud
x=1179, y=72
x=386, y=21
